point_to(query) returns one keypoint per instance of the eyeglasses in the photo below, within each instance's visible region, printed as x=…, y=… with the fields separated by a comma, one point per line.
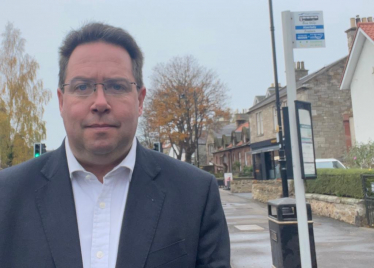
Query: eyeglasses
x=86, y=87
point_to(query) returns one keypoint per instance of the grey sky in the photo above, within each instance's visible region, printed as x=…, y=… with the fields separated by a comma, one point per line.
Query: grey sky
x=230, y=37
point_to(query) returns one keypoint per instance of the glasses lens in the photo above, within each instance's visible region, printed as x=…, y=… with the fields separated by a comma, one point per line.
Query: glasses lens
x=115, y=87
x=81, y=88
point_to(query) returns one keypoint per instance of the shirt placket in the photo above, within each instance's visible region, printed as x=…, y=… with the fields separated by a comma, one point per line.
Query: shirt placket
x=101, y=227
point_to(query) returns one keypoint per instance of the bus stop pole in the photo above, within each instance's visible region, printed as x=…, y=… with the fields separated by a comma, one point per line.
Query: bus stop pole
x=301, y=210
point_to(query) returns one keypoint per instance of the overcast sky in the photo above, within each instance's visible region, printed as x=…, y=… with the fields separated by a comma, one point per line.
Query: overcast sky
x=230, y=37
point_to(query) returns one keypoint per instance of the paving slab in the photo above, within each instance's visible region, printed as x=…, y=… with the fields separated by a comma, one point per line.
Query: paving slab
x=338, y=244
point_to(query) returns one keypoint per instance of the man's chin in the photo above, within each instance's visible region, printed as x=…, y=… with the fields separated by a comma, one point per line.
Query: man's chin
x=101, y=150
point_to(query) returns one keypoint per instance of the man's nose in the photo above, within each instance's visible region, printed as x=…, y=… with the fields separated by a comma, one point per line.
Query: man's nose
x=100, y=104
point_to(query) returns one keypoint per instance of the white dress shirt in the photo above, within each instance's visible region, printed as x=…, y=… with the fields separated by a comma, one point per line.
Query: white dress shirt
x=100, y=208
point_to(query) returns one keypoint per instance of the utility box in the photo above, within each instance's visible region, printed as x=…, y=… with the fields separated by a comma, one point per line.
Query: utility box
x=284, y=235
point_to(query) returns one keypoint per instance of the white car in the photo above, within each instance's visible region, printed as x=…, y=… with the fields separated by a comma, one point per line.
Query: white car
x=329, y=163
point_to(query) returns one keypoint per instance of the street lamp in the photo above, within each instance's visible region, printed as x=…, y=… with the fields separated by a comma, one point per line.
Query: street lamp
x=282, y=159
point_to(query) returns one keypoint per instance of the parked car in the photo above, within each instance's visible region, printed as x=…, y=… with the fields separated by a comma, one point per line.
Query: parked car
x=329, y=163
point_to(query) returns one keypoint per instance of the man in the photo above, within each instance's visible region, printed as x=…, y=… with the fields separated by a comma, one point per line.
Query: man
x=101, y=199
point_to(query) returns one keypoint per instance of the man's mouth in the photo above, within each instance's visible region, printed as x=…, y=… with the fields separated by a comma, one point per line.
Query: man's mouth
x=101, y=126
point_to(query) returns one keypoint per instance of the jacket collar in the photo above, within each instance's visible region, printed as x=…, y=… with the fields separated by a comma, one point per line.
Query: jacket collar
x=56, y=207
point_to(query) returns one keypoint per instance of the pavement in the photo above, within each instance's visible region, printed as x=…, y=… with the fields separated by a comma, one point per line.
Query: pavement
x=338, y=244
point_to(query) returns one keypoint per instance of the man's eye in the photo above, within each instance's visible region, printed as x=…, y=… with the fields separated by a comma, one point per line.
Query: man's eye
x=117, y=87
x=81, y=87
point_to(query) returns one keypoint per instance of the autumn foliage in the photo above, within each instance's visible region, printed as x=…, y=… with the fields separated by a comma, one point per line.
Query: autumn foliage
x=22, y=98
x=184, y=95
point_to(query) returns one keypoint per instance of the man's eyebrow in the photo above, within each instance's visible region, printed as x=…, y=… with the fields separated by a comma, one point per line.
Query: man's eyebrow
x=116, y=79
x=82, y=78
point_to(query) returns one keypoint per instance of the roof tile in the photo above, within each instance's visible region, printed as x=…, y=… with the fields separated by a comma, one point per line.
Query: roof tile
x=368, y=28
x=239, y=129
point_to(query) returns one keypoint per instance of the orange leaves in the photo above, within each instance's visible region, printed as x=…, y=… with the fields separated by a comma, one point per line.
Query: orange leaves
x=185, y=98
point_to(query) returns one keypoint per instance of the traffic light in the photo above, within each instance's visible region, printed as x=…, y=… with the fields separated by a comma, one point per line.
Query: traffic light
x=44, y=148
x=37, y=151
x=157, y=146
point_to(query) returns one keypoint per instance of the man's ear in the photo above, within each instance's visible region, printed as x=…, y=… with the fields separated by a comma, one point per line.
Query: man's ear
x=60, y=96
x=141, y=96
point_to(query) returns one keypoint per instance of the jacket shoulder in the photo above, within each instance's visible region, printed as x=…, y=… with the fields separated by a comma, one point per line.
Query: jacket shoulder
x=24, y=172
x=178, y=170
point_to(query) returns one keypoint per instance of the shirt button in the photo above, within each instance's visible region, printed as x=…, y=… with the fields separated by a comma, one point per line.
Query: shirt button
x=88, y=177
x=99, y=254
x=102, y=205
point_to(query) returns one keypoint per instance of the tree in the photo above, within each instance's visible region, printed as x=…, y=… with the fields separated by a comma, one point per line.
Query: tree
x=22, y=98
x=186, y=99
x=144, y=130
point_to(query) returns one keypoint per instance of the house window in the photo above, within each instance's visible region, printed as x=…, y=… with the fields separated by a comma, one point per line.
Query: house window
x=275, y=118
x=240, y=161
x=260, y=127
x=210, y=148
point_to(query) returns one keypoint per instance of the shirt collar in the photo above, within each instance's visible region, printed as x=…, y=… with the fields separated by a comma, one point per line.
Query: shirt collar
x=74, y=166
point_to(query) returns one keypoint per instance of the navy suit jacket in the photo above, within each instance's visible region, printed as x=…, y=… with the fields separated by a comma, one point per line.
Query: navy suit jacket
x=173, y=216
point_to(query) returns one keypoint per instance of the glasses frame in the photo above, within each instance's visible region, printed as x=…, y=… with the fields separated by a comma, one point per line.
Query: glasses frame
x=94, y=90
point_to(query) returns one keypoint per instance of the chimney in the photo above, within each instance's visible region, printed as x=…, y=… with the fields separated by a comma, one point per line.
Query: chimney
x=370, y=19
x=364, y=20
x=300, y=70
x=352, y=31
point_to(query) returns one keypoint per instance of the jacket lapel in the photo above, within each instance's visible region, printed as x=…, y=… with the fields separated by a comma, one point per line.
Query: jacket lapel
x=144, y=204
x=56, y=206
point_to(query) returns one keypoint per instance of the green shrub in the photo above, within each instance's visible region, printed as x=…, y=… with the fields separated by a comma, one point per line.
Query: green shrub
x=236, y=166
x=360, y=156
x=219, y=175
x=247, y=170
x=338, y=182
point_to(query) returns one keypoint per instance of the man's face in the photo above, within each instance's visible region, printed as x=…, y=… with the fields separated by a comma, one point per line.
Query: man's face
x=99, y=124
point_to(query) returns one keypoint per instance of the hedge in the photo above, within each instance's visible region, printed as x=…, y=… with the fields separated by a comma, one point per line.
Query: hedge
x=338, y=182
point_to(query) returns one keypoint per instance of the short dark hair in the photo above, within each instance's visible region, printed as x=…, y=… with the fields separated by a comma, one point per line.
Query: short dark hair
x=100, y=32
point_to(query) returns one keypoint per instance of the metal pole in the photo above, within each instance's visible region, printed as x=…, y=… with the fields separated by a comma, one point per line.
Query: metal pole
x=282, y=158
x=302, y=223
x=196, y=134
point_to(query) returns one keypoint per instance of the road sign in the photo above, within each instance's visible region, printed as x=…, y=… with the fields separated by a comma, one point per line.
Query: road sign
x=306, y=139
x=289, y=37
x=308, y=29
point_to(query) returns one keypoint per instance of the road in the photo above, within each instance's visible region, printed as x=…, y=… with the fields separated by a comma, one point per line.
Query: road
x=338, y=244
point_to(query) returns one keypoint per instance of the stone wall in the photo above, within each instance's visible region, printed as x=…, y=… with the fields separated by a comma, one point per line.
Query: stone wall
x=264, y=191
x=231, y=155
x=349, y=210
x=267, y=123
x=328, y=105
x=241, y=185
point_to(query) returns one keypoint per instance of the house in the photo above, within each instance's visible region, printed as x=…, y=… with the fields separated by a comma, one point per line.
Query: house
x=172, y=150
x=231, y=144
x=358, y=77
x=330, y=107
